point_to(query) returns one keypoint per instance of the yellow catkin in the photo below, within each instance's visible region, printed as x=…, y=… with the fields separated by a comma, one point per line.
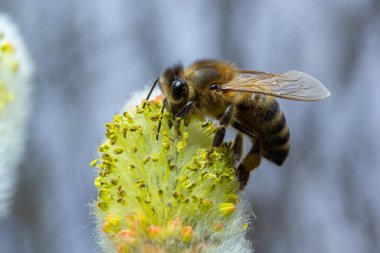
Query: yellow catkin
x=164, y=194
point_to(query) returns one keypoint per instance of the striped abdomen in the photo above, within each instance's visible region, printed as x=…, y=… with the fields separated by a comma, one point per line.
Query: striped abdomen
x=268, y=121
x=273, y=131
x=275, y=141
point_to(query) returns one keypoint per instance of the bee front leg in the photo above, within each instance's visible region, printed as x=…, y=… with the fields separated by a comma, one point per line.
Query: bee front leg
x=221, y=132
x=181, y=114
x=184, y=110
x=164, y=103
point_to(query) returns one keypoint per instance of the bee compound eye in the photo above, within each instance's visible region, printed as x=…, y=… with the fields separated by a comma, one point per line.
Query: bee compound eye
x=178, y=89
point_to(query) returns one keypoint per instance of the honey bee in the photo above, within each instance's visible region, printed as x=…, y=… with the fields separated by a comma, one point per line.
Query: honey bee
x=243, y=99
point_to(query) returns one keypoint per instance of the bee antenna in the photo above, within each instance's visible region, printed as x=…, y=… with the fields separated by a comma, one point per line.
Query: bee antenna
x=159, y=122
x=151, y=90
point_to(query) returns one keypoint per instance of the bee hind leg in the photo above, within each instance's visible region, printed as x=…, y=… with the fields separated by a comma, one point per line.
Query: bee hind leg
x=238, y=147
x=250, y=162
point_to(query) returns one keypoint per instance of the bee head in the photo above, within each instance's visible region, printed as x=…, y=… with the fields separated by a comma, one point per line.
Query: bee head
x=175, y=88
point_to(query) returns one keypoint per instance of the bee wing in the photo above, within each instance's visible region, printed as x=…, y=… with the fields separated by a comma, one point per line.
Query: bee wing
x=294, y=85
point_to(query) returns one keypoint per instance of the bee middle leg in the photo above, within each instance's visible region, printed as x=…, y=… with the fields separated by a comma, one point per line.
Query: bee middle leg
x=221, y=132
x=223, y=123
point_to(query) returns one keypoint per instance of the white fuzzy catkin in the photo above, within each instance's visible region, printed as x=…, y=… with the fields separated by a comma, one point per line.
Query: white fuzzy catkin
x=17, y=80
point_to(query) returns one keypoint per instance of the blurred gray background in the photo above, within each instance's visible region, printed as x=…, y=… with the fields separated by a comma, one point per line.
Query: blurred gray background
x=90, y=55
